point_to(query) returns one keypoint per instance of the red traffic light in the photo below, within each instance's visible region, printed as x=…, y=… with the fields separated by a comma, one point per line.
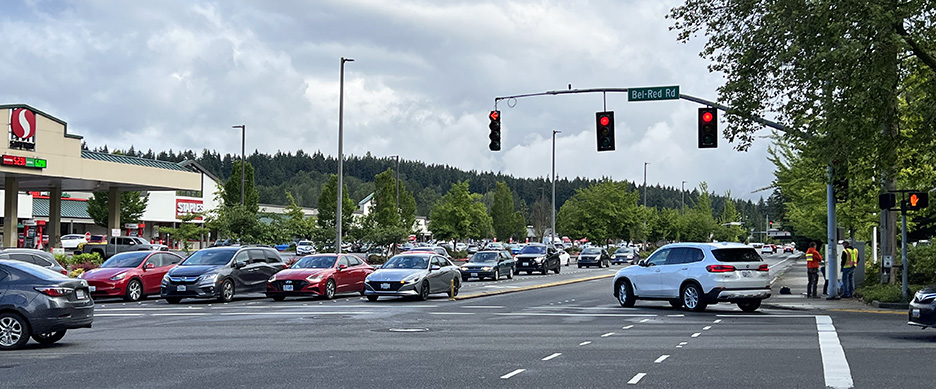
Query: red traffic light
x=707, y=117
x=604, y=120
x=494, y=115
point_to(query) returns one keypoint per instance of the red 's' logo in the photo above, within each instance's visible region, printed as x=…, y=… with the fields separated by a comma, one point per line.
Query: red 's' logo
x=23, y=123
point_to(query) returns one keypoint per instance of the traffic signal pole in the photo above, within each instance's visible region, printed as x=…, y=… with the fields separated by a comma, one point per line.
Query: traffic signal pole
x=832, y=245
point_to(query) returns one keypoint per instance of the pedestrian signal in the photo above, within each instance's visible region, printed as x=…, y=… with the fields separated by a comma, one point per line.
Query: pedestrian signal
x=917, y=200
x=887, y=200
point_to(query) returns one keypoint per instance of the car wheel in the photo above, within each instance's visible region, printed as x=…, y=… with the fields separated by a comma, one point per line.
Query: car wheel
x=372, y=298
x=544, y=270
x=496, y=274
x=580, y=266
x=362, y=292
x=134, y=291
x=173, y=300
x=14, y=331
x=279, y=298
x=49, y=338
x=749, y=305
x=626, y=294
x=676, y=303
x=329, y=290
x=424, y=291
x=510, y=273
x=692, y=298
x=227, y=292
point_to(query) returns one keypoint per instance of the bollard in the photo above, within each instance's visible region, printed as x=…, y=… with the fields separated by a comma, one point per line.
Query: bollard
x=452, y=291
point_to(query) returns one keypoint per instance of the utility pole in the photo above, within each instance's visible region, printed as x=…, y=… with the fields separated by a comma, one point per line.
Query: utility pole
x=552, y=238
x=340, y=156
x=832, y=246
x=683, y=201
x=243, y=158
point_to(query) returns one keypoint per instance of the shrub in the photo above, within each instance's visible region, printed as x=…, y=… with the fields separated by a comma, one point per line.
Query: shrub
x=75, y=273
x=885, y=293
x=922, y=268
x=375, y=259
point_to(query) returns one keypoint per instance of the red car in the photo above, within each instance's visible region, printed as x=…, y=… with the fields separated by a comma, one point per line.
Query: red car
x=131, y=275
x=322, y=275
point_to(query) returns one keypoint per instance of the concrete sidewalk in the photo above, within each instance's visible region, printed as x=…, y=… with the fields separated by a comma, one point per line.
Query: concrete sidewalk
x=795, y=278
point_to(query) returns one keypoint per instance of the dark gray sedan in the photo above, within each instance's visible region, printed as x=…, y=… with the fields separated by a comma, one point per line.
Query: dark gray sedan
x=491, y=264
x=41, y=303
x=594, y=256
x=413, y=274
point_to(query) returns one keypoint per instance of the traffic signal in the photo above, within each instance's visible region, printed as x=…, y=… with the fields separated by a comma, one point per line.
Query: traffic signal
x=917, y=200
x=605, y=123
x=495, y=127
x=887, y=200
x=708, y=128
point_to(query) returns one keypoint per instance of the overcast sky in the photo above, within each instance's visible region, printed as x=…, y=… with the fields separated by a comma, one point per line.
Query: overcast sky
x=178, y=74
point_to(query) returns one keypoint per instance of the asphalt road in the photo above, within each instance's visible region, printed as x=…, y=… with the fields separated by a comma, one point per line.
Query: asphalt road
x=565, y=336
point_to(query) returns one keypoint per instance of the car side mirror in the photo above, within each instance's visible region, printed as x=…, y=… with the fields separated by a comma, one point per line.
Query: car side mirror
x=342, y=267
x=150, y=265
x=435, y=268
x=239, y=264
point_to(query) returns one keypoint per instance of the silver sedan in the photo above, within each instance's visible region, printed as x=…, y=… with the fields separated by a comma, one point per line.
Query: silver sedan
x=413, y=274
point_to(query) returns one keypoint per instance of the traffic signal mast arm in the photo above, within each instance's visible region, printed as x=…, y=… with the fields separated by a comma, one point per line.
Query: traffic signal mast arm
x=726, y=109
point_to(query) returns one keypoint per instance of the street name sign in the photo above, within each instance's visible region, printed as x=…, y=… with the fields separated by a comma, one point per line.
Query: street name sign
x=653, y=93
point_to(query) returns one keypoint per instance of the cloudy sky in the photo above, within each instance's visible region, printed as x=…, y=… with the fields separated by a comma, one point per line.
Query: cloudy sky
x=178, y=74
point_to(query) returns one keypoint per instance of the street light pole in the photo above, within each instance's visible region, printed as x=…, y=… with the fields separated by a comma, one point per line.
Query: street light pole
x=397, y=178
x=683, y=201
x=243, y=158
x=552, y=237
x=645, y=201
x=340, y=156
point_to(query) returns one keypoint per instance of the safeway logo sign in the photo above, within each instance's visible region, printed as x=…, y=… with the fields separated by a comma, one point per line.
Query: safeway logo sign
x=184, y=207
x=22, y=129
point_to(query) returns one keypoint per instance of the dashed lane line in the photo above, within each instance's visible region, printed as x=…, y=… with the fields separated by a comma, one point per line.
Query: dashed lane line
x=696, y=335
x=835, y=367
x=636, y=379
x=552, y=356
x=511, y=374
x=661, y=358
x=681, y=344
x=706, y=328
x=716, y=321
x=571, y=314
x=584, y=343
x=607, y=335
x=645, y=320
x=627, y=327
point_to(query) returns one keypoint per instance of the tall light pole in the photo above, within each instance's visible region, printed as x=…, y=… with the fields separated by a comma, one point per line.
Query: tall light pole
x=645, y=201
x=552, y=238
x=340, y=156
x=243, y=158
x=683, y=201
x=397, y=181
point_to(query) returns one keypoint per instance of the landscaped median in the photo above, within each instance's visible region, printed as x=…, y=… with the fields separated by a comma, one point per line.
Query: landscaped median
x=531, y=287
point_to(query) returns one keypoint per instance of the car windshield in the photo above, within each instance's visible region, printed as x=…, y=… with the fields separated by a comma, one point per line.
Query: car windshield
x=209, y=257
x=407, y=262
x=624, y=251
x=736, y=255
x=483, y=257
x=591, y=251
x=533, y=250
x=318, y=262
x=132, y=259
x=306, y=243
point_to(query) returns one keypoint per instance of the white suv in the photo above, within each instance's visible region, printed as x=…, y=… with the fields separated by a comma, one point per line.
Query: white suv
x=695, y=275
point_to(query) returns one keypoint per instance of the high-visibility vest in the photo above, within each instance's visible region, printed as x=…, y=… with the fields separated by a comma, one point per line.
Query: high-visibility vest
x=852, y=260
x=809, y=257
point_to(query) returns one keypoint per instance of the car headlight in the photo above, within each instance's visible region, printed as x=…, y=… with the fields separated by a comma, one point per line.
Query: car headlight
x=118, y=277
x=165, y=279
x=411, y=279
x=314, y=278
x=486, y=268
x=206, y=278
x=272, y=278
x=463, y=268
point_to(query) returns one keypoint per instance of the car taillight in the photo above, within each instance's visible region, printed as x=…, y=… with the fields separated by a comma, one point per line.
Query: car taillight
x=763, y=268
x=719, y=268
x=55, y=292
x=65, y=272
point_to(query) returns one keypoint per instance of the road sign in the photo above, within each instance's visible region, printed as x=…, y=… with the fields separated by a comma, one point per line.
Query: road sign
x=653, y=93
x=87, y=236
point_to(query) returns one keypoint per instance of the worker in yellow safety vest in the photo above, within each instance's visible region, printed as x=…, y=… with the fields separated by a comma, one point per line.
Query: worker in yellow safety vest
x=849, y=261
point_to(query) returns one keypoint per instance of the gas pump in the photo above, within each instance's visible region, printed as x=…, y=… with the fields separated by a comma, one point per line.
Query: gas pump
x=134, y=229
x=32, y=233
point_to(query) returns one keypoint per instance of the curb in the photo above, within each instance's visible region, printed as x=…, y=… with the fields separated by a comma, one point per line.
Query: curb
x=878, y=304
x=526, y=288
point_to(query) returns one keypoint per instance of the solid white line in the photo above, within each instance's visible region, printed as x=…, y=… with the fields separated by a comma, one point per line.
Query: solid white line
x=696, y=335
x=623, y=328
x=449, y=313
x=607, y=335
x=479, y=306
x=292, y=313
x=636, y=379
x=513, y=373
x=144, y=309
x=834, y=364
x=706, y=328
x=714, y=322
x=570, y=314
x=552, y=356
x=661, y=358
x=584, y=343
x=772, y=316
x=181, y=314
x=667, y=315
x=117, y=314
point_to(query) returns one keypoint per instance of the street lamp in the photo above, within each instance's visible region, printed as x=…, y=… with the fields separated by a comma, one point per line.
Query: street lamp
x=645, y=201
x=340, y=156
x=552, y=238
x=397, y=180
x=243, y=157
x=683, y=201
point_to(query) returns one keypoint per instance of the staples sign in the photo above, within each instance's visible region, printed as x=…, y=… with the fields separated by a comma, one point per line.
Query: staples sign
x=189, y=206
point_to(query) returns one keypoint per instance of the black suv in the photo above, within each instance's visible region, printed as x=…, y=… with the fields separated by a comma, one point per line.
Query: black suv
x=538, y=257
x=219, y=272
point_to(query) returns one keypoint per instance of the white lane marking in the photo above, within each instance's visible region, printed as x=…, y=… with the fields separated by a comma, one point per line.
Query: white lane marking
x=181, y=314
x=834, y=364
x=513, y=373
x=144, y=309
x=570, y=314
x=696, y=335
x=706, y=328
x=117, y=314
x=645, y=320
x=714, y=322
x=584, y=343
x=450, y=313
x=661, y=358
x=681, y=344
x=666, y=315
x=552, y=356
x=497, y=286
x=293, y=313
x=479, y=306
x=603, y=336
x=623, y=328
x=636, y=379
x=771, y=316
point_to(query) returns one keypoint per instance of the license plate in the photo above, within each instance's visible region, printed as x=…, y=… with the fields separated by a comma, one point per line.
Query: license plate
x=287, y=288
x=915, y=313
x=474, y=274
x=384, y=286
x=525, y=264
x=746, y=273
x=92, y=288
x=81, y=294
x=180, y=288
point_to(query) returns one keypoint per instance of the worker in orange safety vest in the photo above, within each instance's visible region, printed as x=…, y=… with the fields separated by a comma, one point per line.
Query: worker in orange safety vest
x=813, y=262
